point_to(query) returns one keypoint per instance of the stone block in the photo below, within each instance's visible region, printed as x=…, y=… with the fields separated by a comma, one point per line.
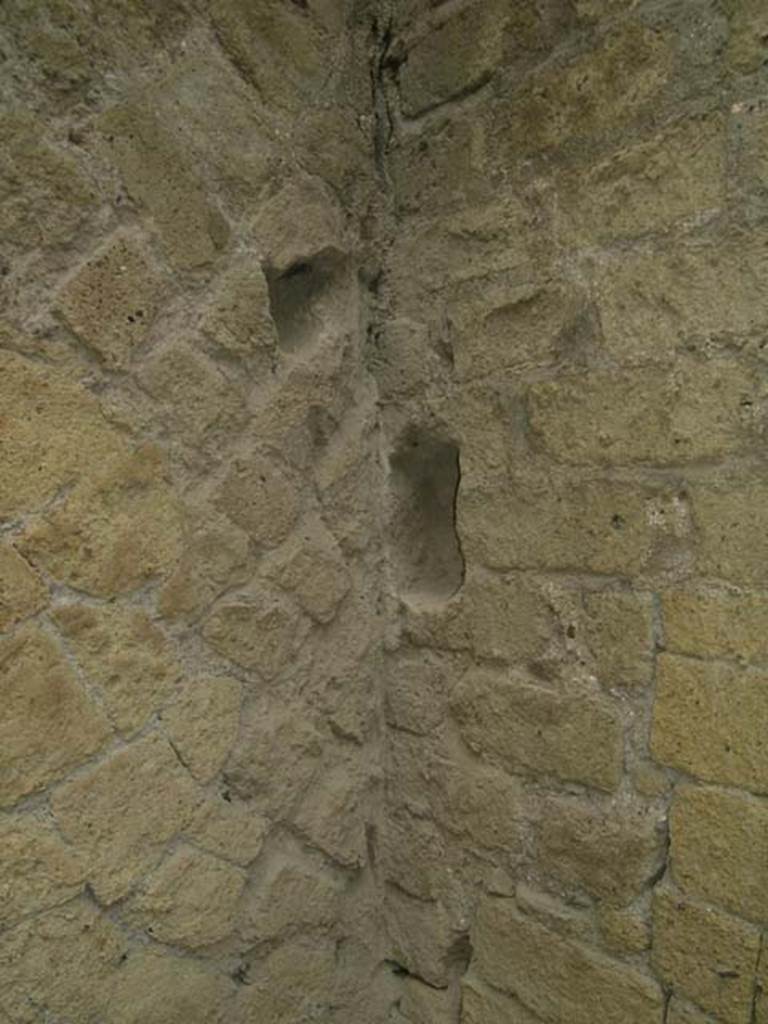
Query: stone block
x=38, y=869
x=422, y=1004
x=156, y=988
x=54, y=427
x=119, y=528
x=612, y=853
x=125, y=657
x=708, y=721
x=482, y=805
x=748, y=22
x=161, y=181
x=561, y=981
x=678, y=174
x=481, y=1004
x=260, y=633
x=686, y=412
x=687, y=295
x=619, y=632
x=705, y=954
x=290, y=900
x=314, y=571
x=732, y=524
x=44, y=960
x=532, y=730
x=111, y=301
x=22, y=592
x=563, y=523
x=259, y=497
x=194, y=395
x=120, y=813
x=297, y=980
x=49, y=725
x=191, y=900
x=203, y=723
x=716, y=623
x=719, y=849
x=423, y=938
x=228, y=828
x=680, y=1012
x=623, y=929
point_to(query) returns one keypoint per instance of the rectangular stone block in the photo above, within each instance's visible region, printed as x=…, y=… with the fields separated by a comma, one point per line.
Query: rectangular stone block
x=716, y=623
x=709, y=721
x=619, y=631
x=732, y=522
x=571, y=523
x=481, y=1004
x=707, y=955
x=687, y=411
x=683, y=296
x=678, y=173
x=719, y=849
x=529, y=729
x=612, y=852
x=563, y=982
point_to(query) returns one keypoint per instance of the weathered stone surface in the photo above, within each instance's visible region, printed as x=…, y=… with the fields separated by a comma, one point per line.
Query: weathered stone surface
x=160, y=180
x=192, y=899
x=679, y=173
x=111, y=301
x=53, y=431
x=611, y=527
x=49, y=725
x=38, y=870
x=530, y=729
x=624, y=930
x=116, y=530
x=619, y=631
x=276, y=757
x=120, y=813
x=22, y=592
x=500, y=617
x=708, y=956
x=229, y=829
x=613, y=853
x=289, y=901
x=297, y=980
x=688, y=411
x=482, y=805
x=259, y=497
x=238, y=322
x=707, y=721
x=195, y=395
x=44, y=962
x=455, y=57
x=423, y=937
x=748, y=29
x=215, y=555
x=680, y=1012
x=259, y=633
x=332, y=815
x=422, y=1004
x=731, y=523
x=52, y=181
x=569, y=921
x=655, y=302
x=125, y=657
x=715, y=623
x=152, y=988
x=314, y=571
x=416, y=691
x=202, y=724
x=719, y=848
x=481, y=1004
x=561, y=981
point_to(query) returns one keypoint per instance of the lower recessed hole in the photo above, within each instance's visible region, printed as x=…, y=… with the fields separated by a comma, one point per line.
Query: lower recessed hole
x=426, y=551
x=303, y=297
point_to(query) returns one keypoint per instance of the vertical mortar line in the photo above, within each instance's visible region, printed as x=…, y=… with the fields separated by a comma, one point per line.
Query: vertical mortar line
x=756, y=986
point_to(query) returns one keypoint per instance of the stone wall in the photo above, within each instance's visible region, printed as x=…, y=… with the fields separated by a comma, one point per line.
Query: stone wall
x=383, y=511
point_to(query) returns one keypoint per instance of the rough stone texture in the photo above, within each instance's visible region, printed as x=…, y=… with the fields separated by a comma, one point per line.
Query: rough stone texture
x=708, y=721
x=382, y=511
x=49, y=724
x=708, y=955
